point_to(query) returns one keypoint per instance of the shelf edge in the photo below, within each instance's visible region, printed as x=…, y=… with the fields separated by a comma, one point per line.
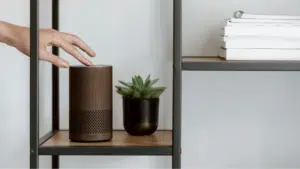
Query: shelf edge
x=116, y=150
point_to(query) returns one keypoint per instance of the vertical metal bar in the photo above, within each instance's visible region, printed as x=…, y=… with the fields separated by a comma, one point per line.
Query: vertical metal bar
x=55, y=70
x=177, y=60
x=55, y=81
x=34, y=83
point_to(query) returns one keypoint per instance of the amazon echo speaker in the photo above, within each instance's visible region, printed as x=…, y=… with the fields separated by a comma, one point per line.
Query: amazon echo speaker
x=90, y=103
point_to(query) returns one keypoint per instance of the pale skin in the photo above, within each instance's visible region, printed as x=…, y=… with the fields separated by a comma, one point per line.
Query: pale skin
x=19, y=38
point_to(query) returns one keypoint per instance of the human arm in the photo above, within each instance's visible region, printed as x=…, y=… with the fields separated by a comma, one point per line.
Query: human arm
x=5, y=33
x=19, y=37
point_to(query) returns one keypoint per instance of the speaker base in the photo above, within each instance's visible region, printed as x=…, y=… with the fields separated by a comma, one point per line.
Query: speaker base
x=85, y=141
x=103, y=137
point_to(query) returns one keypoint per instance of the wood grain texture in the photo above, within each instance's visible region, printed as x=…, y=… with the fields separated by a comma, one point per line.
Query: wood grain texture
x=90, y=88
x=120, y=138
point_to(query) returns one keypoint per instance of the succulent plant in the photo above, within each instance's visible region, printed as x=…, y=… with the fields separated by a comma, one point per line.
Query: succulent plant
x=139, y=88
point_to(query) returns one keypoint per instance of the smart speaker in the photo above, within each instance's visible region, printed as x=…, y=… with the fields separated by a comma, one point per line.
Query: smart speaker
x=90, y=103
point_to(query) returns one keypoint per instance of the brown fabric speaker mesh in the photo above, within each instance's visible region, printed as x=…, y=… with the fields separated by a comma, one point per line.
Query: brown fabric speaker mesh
x=94, y=119
x=90, y=93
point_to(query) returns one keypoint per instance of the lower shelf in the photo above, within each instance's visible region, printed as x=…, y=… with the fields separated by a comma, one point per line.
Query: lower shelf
x=160, y=143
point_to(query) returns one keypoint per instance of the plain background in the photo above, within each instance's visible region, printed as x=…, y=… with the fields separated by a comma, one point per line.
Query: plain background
x=229, y=119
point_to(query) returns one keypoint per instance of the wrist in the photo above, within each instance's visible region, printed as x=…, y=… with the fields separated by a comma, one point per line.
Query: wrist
x=7, y=33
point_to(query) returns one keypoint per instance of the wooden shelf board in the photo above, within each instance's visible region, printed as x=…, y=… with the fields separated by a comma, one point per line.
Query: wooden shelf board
x=160, y=143
x=215, y=63
x=120, y=138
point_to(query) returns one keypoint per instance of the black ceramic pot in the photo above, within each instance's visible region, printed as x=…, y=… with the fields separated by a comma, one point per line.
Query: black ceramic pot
x=140, y=117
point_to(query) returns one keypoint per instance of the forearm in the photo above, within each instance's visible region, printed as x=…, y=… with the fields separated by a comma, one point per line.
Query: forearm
x=6, y=33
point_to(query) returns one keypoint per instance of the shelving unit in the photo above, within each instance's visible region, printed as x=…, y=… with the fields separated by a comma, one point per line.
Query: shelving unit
x=57, y=143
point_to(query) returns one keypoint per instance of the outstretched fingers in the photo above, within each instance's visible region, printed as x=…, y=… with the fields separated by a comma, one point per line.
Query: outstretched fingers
x=57, y=61
x=64, y=44
x=75, y=40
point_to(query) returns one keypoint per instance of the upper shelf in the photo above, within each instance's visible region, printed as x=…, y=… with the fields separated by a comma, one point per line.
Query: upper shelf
x=160, y=143
x=218, y=64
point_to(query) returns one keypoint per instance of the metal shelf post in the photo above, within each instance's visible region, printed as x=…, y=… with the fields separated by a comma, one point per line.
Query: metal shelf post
x=34, y=84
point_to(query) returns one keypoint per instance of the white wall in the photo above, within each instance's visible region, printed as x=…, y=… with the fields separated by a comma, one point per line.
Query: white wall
x=230, y=119
x=14, y=99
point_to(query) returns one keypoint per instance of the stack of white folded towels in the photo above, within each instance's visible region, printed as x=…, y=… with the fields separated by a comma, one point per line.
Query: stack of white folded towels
x=261, y=37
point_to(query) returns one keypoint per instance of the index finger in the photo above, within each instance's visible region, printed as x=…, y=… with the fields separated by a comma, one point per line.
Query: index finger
x=73, y=39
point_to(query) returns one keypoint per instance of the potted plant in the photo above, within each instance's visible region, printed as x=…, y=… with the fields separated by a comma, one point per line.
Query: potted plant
x=140, y=105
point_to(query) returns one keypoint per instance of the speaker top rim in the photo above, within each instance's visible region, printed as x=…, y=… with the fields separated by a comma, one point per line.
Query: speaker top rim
x=92, y=66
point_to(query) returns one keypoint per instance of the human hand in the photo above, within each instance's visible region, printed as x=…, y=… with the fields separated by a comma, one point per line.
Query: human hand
x=19, y=37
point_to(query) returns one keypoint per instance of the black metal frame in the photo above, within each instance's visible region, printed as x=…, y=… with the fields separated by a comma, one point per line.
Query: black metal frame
x=34, y=84
x=107, y=150
x=176, y=122
x=35, y=141
x=55, y=81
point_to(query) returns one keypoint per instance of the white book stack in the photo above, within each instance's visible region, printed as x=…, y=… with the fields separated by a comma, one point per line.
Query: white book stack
x=261, y=37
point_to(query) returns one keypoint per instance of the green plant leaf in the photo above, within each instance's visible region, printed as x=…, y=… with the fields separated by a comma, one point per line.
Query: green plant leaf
x=136, y=94
x=124, y=91
x=152, y=82
x=140, y=88
x=128, y=84
x=136, y=87
x=148, y=95
x=155, y=89
x=118, y=87
x=147, y=81
x=133, y=81
x=155, y=92
x=121, y=93
x=139, y=81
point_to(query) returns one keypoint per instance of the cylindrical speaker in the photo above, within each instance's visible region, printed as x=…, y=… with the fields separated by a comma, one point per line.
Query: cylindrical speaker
x=90, y=103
